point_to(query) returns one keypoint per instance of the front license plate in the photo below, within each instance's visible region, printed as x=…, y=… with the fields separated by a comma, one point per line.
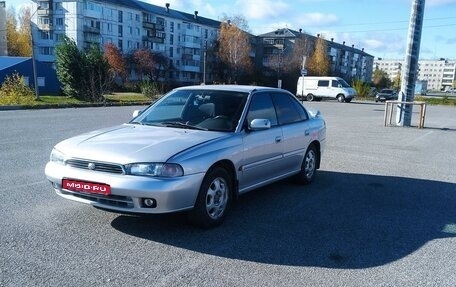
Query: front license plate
x=84, y=186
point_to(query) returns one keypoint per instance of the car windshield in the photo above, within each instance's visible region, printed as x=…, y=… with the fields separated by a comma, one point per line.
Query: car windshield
x=343, y=83
x=196, y=109
x=386, y=91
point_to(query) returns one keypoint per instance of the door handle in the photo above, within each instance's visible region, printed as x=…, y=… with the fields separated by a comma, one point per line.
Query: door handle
x=307, y=132
x=278, y=139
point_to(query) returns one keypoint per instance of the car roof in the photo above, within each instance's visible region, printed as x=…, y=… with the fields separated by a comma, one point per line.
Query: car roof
x=234, y=88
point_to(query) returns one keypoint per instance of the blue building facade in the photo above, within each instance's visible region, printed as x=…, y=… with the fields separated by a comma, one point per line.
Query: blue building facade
x=46, y=74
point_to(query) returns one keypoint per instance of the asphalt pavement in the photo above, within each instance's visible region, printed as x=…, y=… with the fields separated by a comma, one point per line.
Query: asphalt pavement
x=381, y=212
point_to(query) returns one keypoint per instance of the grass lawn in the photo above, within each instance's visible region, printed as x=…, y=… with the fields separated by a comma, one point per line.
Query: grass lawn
x=114, y=98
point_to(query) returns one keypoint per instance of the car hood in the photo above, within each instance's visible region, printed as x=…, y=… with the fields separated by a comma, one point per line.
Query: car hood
x=134, y=143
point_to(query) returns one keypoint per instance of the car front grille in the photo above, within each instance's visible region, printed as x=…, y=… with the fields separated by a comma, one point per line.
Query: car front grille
x=95, y=166
x=110, y=200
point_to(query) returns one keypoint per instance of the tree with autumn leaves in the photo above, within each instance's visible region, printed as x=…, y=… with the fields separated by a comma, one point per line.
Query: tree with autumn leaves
x=318, y=63
x=18, y=34
x=234, y=48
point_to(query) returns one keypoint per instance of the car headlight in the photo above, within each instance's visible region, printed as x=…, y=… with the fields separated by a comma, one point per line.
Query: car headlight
x=155, y=169
x=57, y=157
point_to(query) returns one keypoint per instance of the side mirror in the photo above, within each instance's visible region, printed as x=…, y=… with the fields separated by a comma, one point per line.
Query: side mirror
x=136, y=113
x=260, y=124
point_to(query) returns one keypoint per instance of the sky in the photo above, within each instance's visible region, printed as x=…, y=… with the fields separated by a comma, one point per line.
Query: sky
x=378, y=26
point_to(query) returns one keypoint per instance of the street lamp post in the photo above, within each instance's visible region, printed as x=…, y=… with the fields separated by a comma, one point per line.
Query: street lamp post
x=35, y=75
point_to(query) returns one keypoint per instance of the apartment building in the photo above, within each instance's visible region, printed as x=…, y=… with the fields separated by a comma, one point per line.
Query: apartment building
x=439, y=74
x=346, y=61
x=3, y=40
x=182, y=38
x=130, y=25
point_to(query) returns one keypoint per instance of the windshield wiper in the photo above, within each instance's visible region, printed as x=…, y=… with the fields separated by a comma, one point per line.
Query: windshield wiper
x=182, y=125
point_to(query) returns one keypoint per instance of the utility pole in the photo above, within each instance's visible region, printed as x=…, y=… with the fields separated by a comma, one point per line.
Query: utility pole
x=410, y=68
x=35, y=74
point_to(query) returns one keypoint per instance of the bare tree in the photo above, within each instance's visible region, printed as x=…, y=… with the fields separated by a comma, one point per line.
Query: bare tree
x=293, y=61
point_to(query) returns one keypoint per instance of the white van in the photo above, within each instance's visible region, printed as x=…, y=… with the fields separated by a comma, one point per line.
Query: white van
x=316, y=88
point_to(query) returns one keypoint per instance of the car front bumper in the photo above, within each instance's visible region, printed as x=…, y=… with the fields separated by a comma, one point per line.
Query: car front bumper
x=128, y=191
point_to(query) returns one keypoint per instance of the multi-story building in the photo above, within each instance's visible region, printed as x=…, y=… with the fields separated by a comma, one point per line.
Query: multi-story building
x=130, y=25
x=3, y=40
x=439, y=74
x=181, y=38
x=345, y=61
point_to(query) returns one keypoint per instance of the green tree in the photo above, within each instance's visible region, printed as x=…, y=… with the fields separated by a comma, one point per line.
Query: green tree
x=84, y=74
x=70, y=68
x=318, y=63
x=380, y=79
x=362, y=88
x=397, y=82
x=96, y=74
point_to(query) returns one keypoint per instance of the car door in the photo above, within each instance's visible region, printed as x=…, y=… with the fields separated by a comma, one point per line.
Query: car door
x=323, y=88
x=296, y=131
x=262, y=149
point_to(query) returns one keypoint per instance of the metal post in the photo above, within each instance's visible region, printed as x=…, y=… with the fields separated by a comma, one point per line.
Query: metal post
x=35, y=75
x=409, y=73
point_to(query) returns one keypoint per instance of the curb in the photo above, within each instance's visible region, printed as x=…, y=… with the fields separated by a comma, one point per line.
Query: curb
x=66, y=106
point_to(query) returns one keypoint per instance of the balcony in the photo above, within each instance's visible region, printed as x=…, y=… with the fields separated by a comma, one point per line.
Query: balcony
x=153, y=39
x=89, y=29
x=153, y=26
x=44, y=12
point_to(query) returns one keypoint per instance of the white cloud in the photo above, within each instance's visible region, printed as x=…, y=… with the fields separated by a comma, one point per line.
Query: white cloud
x=262, y=9
x=316, y=20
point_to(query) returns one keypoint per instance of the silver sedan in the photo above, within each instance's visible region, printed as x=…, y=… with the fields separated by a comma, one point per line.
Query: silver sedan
x=196, y=149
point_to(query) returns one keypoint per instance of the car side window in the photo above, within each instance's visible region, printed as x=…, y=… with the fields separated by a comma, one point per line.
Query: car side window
x=262, y=107
x=335, y=84
x=288, y=110
x=323, y=83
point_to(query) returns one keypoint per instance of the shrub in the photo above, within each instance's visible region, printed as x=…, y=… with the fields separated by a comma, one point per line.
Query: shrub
x=149, y=89
x=362, y=88
x=14, y=91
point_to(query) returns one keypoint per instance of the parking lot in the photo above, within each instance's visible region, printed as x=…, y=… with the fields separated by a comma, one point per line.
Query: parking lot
x=381, y=212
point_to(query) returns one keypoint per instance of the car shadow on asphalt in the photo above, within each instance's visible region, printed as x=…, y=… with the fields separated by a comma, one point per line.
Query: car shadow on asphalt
x=339, y=221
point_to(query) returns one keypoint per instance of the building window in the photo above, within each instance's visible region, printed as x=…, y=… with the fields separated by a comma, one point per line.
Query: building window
x=120, y=16
x=171, y=27
x=59, y=21
x=120, y=30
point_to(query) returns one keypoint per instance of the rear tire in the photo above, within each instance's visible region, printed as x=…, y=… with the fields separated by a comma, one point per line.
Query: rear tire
x=310, y=97
x=348, y=100
x=213, y=199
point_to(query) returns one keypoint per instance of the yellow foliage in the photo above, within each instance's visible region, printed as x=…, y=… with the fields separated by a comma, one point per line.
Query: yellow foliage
x=13, y=91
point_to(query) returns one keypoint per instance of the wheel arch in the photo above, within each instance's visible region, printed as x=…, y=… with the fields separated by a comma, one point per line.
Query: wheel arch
x=229, y=167
x=317, y=146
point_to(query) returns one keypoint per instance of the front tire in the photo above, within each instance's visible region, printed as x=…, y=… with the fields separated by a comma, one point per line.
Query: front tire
x=213, y=199
x=308, y=166
x=341, y=98
x=310, y=97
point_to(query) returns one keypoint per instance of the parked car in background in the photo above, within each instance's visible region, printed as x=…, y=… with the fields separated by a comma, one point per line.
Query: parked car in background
x=386, y=95
x=196, y=149
x=451, y=90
